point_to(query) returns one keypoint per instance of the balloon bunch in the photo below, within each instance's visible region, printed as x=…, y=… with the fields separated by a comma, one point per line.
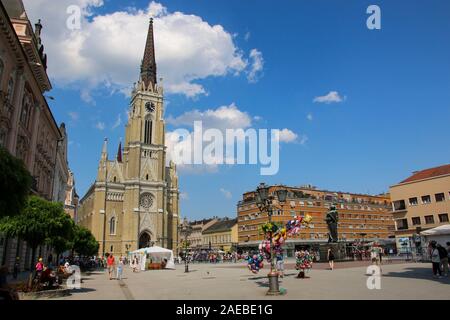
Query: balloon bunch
x=255, y=263
x=279, y=234
x=304, y=260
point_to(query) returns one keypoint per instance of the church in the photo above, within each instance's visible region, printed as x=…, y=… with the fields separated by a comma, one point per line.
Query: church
x=133, y=203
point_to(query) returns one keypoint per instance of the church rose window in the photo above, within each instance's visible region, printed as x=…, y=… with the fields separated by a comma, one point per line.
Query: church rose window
x=146, y=201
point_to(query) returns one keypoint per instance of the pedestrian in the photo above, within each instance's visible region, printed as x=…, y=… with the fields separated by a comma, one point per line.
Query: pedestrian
x=280, y=264
x=443, y=255
x=16, y=268
x=110, y=263
x=39, y=268
x=330, y=258
x=134, y=264
x=435, y=260
x=120, y=269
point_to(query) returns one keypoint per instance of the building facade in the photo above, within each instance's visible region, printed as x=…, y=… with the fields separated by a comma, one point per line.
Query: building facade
x=134, y=200
x=361, y=217
x=28, y=129
x=420, y=202
x=222, y=235
x=195, y=238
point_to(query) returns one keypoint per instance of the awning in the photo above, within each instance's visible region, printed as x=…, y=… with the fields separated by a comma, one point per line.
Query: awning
x=441, y=230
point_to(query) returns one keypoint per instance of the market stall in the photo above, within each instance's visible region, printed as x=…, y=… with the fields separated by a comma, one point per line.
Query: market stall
x=439, y=234
x=154, y=258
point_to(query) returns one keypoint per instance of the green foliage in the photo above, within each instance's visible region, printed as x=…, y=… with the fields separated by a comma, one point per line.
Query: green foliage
x=15, y=184
x=84, y=243
x=40, y=222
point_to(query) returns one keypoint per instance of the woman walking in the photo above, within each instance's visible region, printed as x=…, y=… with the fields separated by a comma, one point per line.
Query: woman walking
x=435, y=260
x=330, y=257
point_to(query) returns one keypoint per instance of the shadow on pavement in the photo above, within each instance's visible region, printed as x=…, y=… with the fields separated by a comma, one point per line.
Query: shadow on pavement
x=417, y=273
x=82, y=290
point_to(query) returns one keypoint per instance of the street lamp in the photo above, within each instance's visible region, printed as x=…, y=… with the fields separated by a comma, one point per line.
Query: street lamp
x=186, y=230
x=264, y=201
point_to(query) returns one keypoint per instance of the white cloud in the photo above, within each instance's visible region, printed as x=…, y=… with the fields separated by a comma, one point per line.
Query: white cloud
x=310, y=117
x=184, y=196
x=257, y=66
x=331, y=97
x=118, y=122
x=247, y=36
x=100, y=126
x=227, y=194
x=74, y=116
x=108, y=49
x=222, y=118
x=288, y=136
x=302, y=139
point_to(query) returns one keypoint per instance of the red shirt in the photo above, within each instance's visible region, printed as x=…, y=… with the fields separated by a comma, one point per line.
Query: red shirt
x=110, y=261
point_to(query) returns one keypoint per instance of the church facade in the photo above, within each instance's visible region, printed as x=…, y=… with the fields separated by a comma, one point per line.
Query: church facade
x=134, y=201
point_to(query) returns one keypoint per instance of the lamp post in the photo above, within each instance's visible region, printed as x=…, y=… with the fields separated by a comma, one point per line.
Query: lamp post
x=186, y=230
x=265, y=203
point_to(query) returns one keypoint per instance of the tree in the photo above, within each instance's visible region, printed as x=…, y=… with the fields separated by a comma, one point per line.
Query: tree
x=15, y=184
x=84, y=242
x=40, y=222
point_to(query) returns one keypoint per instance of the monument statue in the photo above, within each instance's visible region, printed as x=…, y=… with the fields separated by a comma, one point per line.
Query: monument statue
x=332, y=219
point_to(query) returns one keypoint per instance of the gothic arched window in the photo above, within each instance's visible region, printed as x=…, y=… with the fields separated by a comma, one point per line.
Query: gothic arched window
x=112, y=226
x=2, y=68
x=10, y=91
x=26, y=109
x=148, y=128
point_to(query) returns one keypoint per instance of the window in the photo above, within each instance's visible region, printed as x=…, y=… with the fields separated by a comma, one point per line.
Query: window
x=112, y=226
x=429, y=219
x=2, y=67
x=439, y=197
x=416, y=221
x=10, y=91
x=426, y=199
x=402, y=224
x=26, y=109
x=399, y=205
x=148, y=128
x=413, y=201
x=443, y=217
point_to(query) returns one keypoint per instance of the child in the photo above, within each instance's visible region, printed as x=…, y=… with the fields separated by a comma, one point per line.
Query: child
x=120, y=269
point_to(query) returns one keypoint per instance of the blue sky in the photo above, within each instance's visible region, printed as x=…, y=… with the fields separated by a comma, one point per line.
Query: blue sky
x=394, y=83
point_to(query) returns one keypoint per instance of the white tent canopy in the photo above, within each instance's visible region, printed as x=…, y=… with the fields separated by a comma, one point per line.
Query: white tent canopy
x=156, y=254
x=441, y=230
x=439, y=234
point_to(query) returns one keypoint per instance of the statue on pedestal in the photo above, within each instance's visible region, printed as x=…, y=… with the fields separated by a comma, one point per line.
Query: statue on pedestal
x=332, y=219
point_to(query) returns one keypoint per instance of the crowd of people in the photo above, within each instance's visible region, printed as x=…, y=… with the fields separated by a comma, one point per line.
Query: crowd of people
x=439, y=258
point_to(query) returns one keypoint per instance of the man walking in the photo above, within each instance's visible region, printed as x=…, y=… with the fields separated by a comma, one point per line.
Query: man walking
x=110, y=263
x=443, y=255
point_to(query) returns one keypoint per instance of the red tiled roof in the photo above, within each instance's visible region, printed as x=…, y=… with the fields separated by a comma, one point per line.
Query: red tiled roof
x=429, y=173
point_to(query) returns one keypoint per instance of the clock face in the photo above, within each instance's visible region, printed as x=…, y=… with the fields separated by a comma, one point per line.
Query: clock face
x=150, y=107
x=146, y=201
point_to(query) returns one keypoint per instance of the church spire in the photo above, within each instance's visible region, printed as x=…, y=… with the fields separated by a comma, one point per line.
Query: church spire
x=119, y=152
x=105, y=150
x=148, y=67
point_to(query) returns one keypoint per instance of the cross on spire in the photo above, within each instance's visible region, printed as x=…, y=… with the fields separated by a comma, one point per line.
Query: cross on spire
x=148, y=67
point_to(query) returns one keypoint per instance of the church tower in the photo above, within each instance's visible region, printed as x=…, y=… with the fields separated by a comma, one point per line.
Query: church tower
x=141, y=204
